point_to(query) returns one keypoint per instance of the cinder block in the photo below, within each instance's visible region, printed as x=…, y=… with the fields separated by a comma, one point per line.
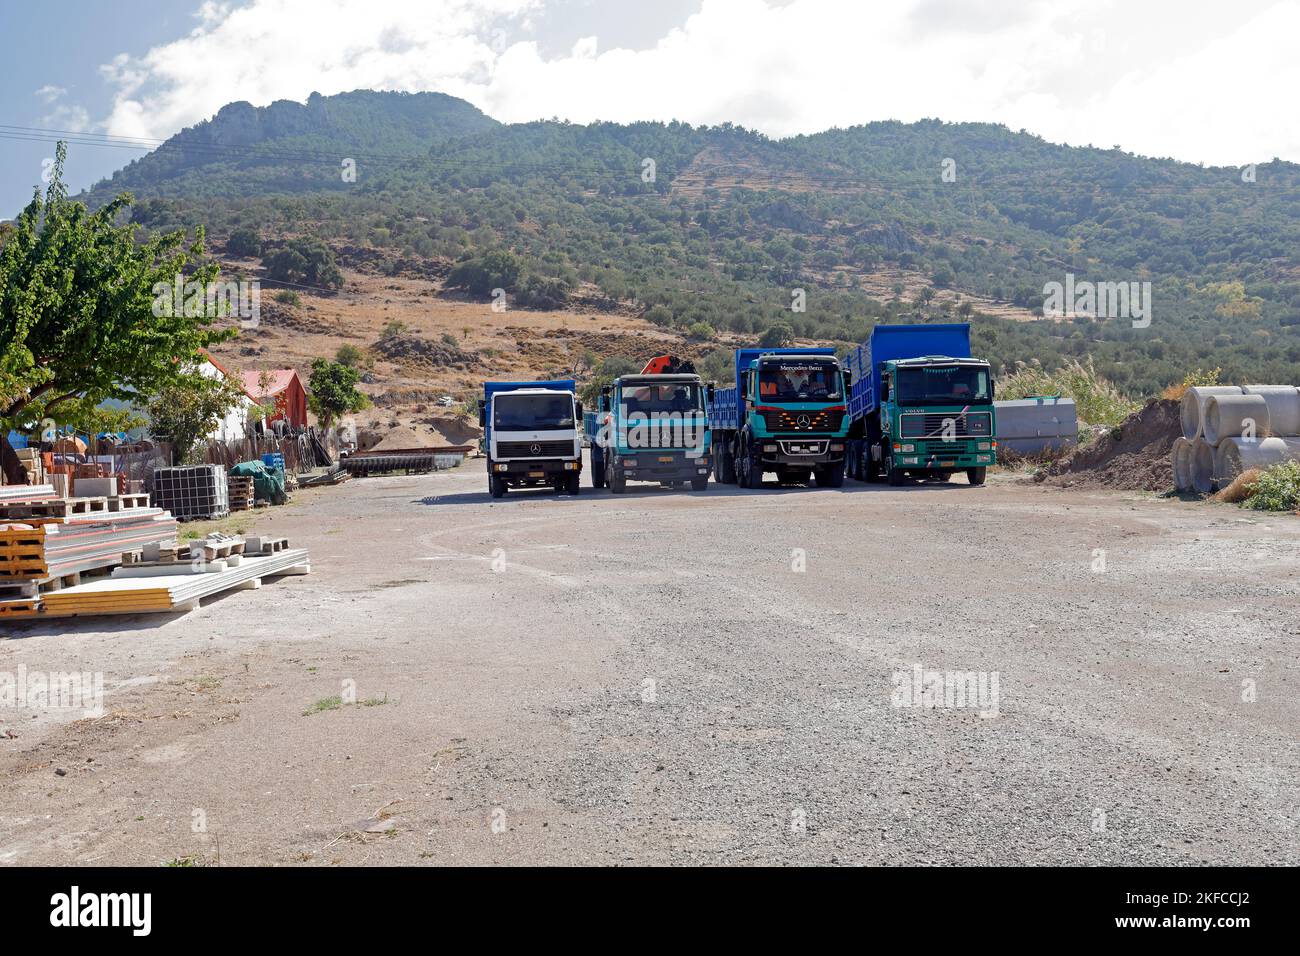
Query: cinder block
x=95, y=488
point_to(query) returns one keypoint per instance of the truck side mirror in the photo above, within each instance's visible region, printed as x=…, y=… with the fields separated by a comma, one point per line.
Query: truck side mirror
x=482, y=413
x=606, y=390
x=848, y=379
x=578, y=413
x=710, y=390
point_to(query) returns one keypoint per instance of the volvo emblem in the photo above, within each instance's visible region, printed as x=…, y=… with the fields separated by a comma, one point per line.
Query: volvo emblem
x=803, y=421
x=535, y=448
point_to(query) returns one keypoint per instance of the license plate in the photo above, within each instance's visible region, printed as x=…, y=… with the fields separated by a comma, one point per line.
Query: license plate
x=667, y=459
x=537, y=474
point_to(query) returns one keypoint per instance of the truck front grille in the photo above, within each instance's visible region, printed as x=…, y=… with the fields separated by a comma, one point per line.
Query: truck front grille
x=970, y=425
x=824, y=420
x=535, y=449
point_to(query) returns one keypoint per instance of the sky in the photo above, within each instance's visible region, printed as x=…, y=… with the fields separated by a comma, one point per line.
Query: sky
x=1198, y=80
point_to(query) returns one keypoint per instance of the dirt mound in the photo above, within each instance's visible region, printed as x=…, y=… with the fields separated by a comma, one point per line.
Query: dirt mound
x=434, y=432
x=414, y=348
x=1134, y=456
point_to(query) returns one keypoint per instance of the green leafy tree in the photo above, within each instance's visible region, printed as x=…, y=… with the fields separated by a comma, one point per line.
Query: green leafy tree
x=777, y=336
x=307, y=261
x=334, y=391
x=186, y=414
x=82, y=311
x=497, y=269
x=244, y=242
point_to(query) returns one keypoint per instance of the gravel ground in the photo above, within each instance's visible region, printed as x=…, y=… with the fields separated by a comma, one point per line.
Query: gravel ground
x=691, y=678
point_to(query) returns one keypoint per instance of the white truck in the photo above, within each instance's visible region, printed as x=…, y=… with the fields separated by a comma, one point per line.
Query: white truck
x=532, y=435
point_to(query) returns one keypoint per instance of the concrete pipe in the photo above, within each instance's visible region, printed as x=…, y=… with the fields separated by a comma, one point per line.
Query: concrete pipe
x=1193, y=406
x=1181, y=459
x=1202, y=466
x=1232, y=416
x=1235, y=455
x=1283, y=408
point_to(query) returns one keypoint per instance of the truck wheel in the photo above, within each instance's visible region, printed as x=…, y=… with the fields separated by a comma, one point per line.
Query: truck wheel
x=750, y=472
x=573, y=483
x=831, y=476
x=724, y=465
x=976, y=475
x=597, y=469
x=496, y=486
x=893, y=475
x=617, y=480
x=700, y=483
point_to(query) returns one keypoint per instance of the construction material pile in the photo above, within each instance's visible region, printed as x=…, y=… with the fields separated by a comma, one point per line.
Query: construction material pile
x=47, y=542
x=1133, y=456
x=1228, y=429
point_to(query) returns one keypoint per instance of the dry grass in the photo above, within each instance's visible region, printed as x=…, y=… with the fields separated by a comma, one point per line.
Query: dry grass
x=1242, y=487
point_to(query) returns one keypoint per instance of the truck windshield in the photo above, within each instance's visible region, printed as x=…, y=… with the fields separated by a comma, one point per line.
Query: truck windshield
x=798, y=381
x=525, y=413
x=673, y=397
x=942, y=384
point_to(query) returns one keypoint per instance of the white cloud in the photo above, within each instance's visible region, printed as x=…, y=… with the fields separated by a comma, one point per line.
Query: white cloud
x=1187, y=79
x=48, y=94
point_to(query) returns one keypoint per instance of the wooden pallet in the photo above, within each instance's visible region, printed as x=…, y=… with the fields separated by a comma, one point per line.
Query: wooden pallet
x=127, y=502
x=22, y=607
x=54, y=509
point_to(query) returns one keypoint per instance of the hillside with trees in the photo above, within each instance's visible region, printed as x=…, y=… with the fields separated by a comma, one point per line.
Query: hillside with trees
x=711, y=231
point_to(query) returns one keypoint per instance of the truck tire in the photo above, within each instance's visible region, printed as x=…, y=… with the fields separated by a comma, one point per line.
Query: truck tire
x=976, y=475
x=700, y=483
x=573, y=483
x=749, y=473
x=893, y=475
x=496, y=486
x=831, y=476
x=725, y=464
x=868, y=470
x=617, y=480
x=597, y=468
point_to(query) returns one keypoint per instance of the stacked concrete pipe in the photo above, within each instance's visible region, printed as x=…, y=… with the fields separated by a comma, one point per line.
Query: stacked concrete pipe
x=1181, y=457
x=1235, y=416
x=1283, y=407
x=1192, y=410
x=1201, y=470
x=1235, y=455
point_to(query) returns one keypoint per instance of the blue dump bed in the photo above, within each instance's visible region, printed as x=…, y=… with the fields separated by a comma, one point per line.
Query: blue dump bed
x=889, y=343
x=491, y=388
x=725, y=409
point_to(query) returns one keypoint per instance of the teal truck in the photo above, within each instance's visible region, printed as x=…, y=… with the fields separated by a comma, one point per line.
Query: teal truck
x=651, y=427
x=787, y=414
x=920, y=405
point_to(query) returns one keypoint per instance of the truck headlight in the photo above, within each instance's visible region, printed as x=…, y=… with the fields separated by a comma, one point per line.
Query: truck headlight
x=983, y=457
x=629, y=462
x=911, y=461
x=906, y=448
x=500, y=467
x=769, y=448
x=983, y=446
x=837, y=447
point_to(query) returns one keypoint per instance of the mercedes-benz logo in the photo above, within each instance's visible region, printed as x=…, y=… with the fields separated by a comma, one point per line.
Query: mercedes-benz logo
x=803, y=421
x=535, y=448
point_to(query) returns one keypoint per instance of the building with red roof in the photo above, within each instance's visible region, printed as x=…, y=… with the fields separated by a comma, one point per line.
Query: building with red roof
x=282, y=388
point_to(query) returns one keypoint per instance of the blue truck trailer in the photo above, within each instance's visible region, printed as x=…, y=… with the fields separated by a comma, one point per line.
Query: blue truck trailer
x=786, y=413
x=920, y=405
x=532, y=435
x=651, y=427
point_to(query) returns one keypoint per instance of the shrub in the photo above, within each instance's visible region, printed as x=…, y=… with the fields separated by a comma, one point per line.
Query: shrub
x=287, y=297
x=1096, y=400
x=701, y=332
x=1277, y=488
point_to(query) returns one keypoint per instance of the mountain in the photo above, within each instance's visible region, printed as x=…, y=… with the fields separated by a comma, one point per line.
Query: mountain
x=711, y=230
x=290, y=147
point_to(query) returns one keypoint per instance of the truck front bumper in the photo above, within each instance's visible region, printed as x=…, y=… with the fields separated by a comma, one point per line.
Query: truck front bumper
x=920, y=455
x=800, y=451
x=538, y=471
x=664, y=466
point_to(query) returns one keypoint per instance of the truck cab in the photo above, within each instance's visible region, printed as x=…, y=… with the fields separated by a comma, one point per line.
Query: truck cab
x=786, y=414
x=531, y=435
x=937, y=417
x=650, y=427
